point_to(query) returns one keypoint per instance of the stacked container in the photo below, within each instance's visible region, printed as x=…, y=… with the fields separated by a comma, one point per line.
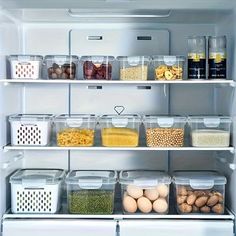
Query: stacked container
x=36, y=190
x=30, y=129
x=145, y=191
x=91, y=192
x=211, y=131
x=75, y=130
x=199, y=192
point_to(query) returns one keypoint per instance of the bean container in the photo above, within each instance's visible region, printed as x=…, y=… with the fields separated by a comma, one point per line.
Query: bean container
x=145, y=192
x=75, y=130
x=61, y=66
x=91, y=192
x=36, y=190
x=164, y=131
x=210, y=131
x=134, y=67
x=199, y=192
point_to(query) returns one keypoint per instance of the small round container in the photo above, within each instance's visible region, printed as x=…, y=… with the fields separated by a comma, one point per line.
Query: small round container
x=168, y=67
x=61, y=66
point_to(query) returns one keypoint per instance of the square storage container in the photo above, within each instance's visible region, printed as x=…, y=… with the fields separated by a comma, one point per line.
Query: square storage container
x=164, y=131
x=211, y=131
x=120, y=130
x=199, y=192
x=91, y=192
x=168, y=67
x=133, y=67
x=97, y=67
x=25, y=66
x=145, y=192
x=36, y=190
x=75, y=130
x=30, y=129
x=61, y=66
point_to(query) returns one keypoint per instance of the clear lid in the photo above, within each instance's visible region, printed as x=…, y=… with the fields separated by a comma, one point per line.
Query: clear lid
x=37, y=177
x=169, y=60
x=164, y=121
x=134, y=60
x=217, y=42
x=197, y=44
x=61, y=58
x=144, y=178
x=21, y=57
x=31, y=117
x=210, y=121
x=91, y=179
x=199, y=179
x=97, y=59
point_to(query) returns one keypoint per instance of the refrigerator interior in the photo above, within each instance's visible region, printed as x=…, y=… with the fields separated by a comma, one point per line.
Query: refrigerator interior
x=64, y=27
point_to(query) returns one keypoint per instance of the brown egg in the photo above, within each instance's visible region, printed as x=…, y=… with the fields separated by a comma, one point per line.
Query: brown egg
x=160, y=205
x=163, y=190
x=134, y=191
x=151, y=194
x=144, y=205
x=129, y=204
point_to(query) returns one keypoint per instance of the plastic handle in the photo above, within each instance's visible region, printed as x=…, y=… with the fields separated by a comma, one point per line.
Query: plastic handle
x=120, y=122
x=165, y=122
x=90, y=183
x=211, y=122
x=33, y=183
x=133, y=61
x=170, y=60
x=201, y=184
x=75, y=123
x=146, y=182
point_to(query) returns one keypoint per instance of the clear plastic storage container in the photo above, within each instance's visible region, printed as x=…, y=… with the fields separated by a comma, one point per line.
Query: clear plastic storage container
x=164, y=131
x=91, y=192
x=210, y=131
x=120, y=130
x=36, y=190
x=145, y=191
x=75, y=130
x=199, y=192
x=25, y=66
x=134, y=67
x=97, y=67
x=30, y=129
x=168, y=67
x=61, y=66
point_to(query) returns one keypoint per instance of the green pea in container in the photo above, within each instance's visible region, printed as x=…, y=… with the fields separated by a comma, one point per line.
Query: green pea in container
x=91, y=192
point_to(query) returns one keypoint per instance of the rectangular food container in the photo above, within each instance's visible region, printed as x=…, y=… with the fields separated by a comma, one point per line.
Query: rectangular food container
x=91, y=192
x=199, y=192
x=36, y=190
x=97, y=67
x=145, y=191
x=164, y=131
x=61, y=66
x=25, y=66
x=75, y=130
x=30, y=129
x=168, y=67
x=120, y=130
x=133, y=67
x=210, y=131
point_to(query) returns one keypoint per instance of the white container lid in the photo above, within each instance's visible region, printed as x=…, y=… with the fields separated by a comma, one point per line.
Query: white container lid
x=61, y=58
x=168, y=60
x=134, y=60
x=37, y=177
x=144, y=178
x=89, y=179
x=210, y=121
x=97, y=59
x=21, y=57
x=199, y=179
x=164, y=121
x=31, y=117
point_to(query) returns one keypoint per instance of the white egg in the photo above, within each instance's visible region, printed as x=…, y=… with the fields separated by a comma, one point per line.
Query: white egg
x=134, y=191
x=160, y=206
x=144, y=205
x=163, y=190
x=151, y=194
x=129, y=204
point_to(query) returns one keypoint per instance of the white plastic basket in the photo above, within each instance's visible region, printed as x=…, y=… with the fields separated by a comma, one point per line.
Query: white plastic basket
x=33, y=130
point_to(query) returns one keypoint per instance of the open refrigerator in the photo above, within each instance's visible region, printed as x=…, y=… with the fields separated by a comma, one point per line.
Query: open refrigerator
x=115, y=27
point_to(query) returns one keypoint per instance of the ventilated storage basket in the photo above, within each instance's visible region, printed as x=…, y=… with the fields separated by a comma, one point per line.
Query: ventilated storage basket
x=30, y=130
x=36, y=190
